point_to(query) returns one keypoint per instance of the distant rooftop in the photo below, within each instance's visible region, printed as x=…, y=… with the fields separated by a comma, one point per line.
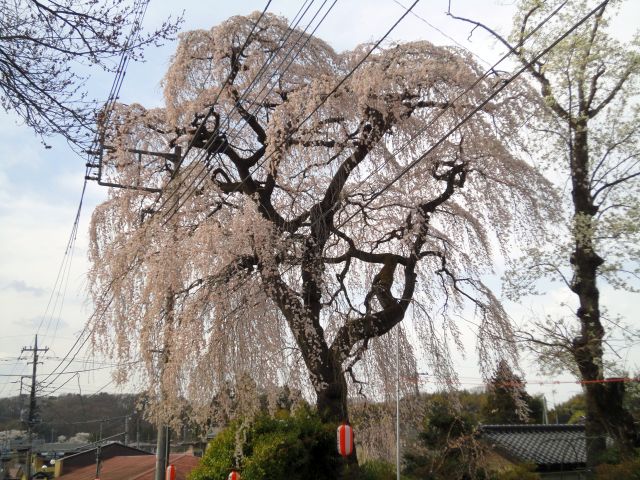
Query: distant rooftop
x=550, y=447
x=140, y=467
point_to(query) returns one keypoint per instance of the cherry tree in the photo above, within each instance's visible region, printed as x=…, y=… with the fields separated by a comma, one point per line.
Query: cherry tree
x=267, y=239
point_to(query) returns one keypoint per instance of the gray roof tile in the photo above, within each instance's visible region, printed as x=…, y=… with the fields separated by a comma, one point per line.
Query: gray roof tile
x=544, y=445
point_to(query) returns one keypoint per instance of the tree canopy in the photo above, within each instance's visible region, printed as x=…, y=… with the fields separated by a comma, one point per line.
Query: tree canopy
x=589, y=133
x=271, y=237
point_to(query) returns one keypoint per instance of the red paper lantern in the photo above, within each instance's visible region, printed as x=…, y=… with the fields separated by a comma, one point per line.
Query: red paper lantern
x=345, y=440
x=234, y=475
x=171, y=473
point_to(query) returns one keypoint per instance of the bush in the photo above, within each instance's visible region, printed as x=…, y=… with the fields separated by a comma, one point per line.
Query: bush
x=217, y=461
x=296, y=447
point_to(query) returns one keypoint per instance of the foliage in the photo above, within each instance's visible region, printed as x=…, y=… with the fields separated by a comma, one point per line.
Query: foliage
x=507, y=401
x=573, y=409
x=217, y=461
x=45, y=43
x=447, y=446
x=379, y=470
x=296, y=446
x=569, y=411
x=279, y=246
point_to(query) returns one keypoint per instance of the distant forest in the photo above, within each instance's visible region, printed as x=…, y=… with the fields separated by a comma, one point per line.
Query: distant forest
x=71, y=414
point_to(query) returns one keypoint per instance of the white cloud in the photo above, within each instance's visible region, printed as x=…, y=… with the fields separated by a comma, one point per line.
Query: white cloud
x=22, y=287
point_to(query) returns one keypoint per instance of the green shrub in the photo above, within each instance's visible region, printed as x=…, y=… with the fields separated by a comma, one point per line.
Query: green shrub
x=296, y=447
x=217, y=461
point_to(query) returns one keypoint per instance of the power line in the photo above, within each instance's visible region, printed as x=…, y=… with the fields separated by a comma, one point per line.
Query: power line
x=182, y=157
x=66, y=372
x=452, y=103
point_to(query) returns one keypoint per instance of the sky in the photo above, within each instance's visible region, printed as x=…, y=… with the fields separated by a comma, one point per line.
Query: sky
x=40, y=190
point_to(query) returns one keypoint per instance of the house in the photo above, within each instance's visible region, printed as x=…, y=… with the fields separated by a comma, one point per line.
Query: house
x=87, y=457
x=132, y=467
x=557, y=451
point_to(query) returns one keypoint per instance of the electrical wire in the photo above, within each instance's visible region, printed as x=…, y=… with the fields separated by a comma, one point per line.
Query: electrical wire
x=443, y=33
x=479, y=107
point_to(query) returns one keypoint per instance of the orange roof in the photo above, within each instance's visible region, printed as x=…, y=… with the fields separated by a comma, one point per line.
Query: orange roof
x=136, y=467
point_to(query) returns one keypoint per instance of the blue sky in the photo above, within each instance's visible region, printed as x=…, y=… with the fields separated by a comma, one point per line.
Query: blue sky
x=40, y=189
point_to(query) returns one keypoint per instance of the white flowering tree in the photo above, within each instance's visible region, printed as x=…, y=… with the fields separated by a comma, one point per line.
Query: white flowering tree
x=265, y=249
x=589, y=134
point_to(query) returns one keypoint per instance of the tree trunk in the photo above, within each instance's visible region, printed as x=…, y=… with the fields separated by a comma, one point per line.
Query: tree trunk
x=333, y=409
x=332, y=391
x=605, y=413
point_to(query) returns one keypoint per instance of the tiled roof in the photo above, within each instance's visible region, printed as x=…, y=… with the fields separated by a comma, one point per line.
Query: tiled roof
x=548, y=446
x=136, y=467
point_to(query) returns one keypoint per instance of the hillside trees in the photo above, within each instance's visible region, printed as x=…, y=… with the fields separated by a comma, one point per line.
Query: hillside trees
x=590, y=134
x=268, y=249
x=47, y=46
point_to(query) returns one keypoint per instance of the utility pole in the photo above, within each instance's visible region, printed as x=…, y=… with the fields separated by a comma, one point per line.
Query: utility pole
x=32, y=398
x=98, y=454
x=545, y=413
x=98, y=463
x=126, y=430
x=162, y=444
